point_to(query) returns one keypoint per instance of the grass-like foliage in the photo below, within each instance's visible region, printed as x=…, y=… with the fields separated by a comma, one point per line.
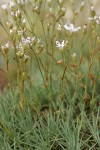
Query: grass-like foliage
x=51, y=101
x=54, y=127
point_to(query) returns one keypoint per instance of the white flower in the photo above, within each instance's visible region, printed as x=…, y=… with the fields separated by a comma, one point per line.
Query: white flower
x=48, y=0
x=90, y=18
x=22, y=1
x=11, y=31
x=12, y=13
x=59, y=27
x=5, y=48
x=20, y=47
x=18, y=13
x=36, y=7
x=63, y=9
x=4, y=6
x=92, y=8
x=98, y=38
x=26, y=57
x=50, y=9
x=97, y=21
x=39, y=41
x=85, y=27
x=11, y=4
x=60, y=1
x=20, y=32
x=61, y=45
x=20, y=53
x=70, y=27
x=33, y=38
x=26, y=41
x=7, y=45
x=60, y=61
x=82, y=3
x=73, y=55
x=24, y=21
x=95, y=18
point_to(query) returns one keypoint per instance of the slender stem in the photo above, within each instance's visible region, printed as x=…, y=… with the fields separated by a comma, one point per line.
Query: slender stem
x=39, y=66
x=4, y=28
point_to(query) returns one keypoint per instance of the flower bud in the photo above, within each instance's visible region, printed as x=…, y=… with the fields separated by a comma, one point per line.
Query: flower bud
x=5, y=49
x=82, y=5
x=10, y=25
x=26, y=57
x=92, y=11
x=63, y=11
x=18, y=14
x=61, y=2
x=49, y=2
x=20, y=53
x=85, y=28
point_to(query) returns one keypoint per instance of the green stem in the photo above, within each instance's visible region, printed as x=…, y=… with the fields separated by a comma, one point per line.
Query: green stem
x=39, y=66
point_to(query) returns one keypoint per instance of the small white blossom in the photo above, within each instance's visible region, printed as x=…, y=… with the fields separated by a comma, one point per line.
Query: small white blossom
x=18, y=13
x=92, y=8
x=20, y=47
x=60, y=61
x=97, y=21
x=7, y=45
x=95, y=18
x=10, y=24
x=38, y=41
x=61, y=45
x=48, y=0
x=60, y=1
x=20, y=32
x=5, y=48
x=22, y=1
x=26, y=57
x=26, y=41
x=90, y=18
x=59, y=27
x=33, y=40
x=50, y=9
x=11, y=4
x=98, y=39
x=12, y=13
x=11, y=31
x=63, y=9
x=82, y=3
x=73, y=55
x=20, y=53
x=70, y=27
x=35, y=7
x=85, y=27
x=24, y=21
x=4, y=6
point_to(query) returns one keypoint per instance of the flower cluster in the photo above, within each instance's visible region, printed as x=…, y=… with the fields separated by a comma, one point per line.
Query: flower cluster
x=95, y=19
x=10, y=5
x=5, y=49
x=70, y=27
x=25, y=29
x=62, y=44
